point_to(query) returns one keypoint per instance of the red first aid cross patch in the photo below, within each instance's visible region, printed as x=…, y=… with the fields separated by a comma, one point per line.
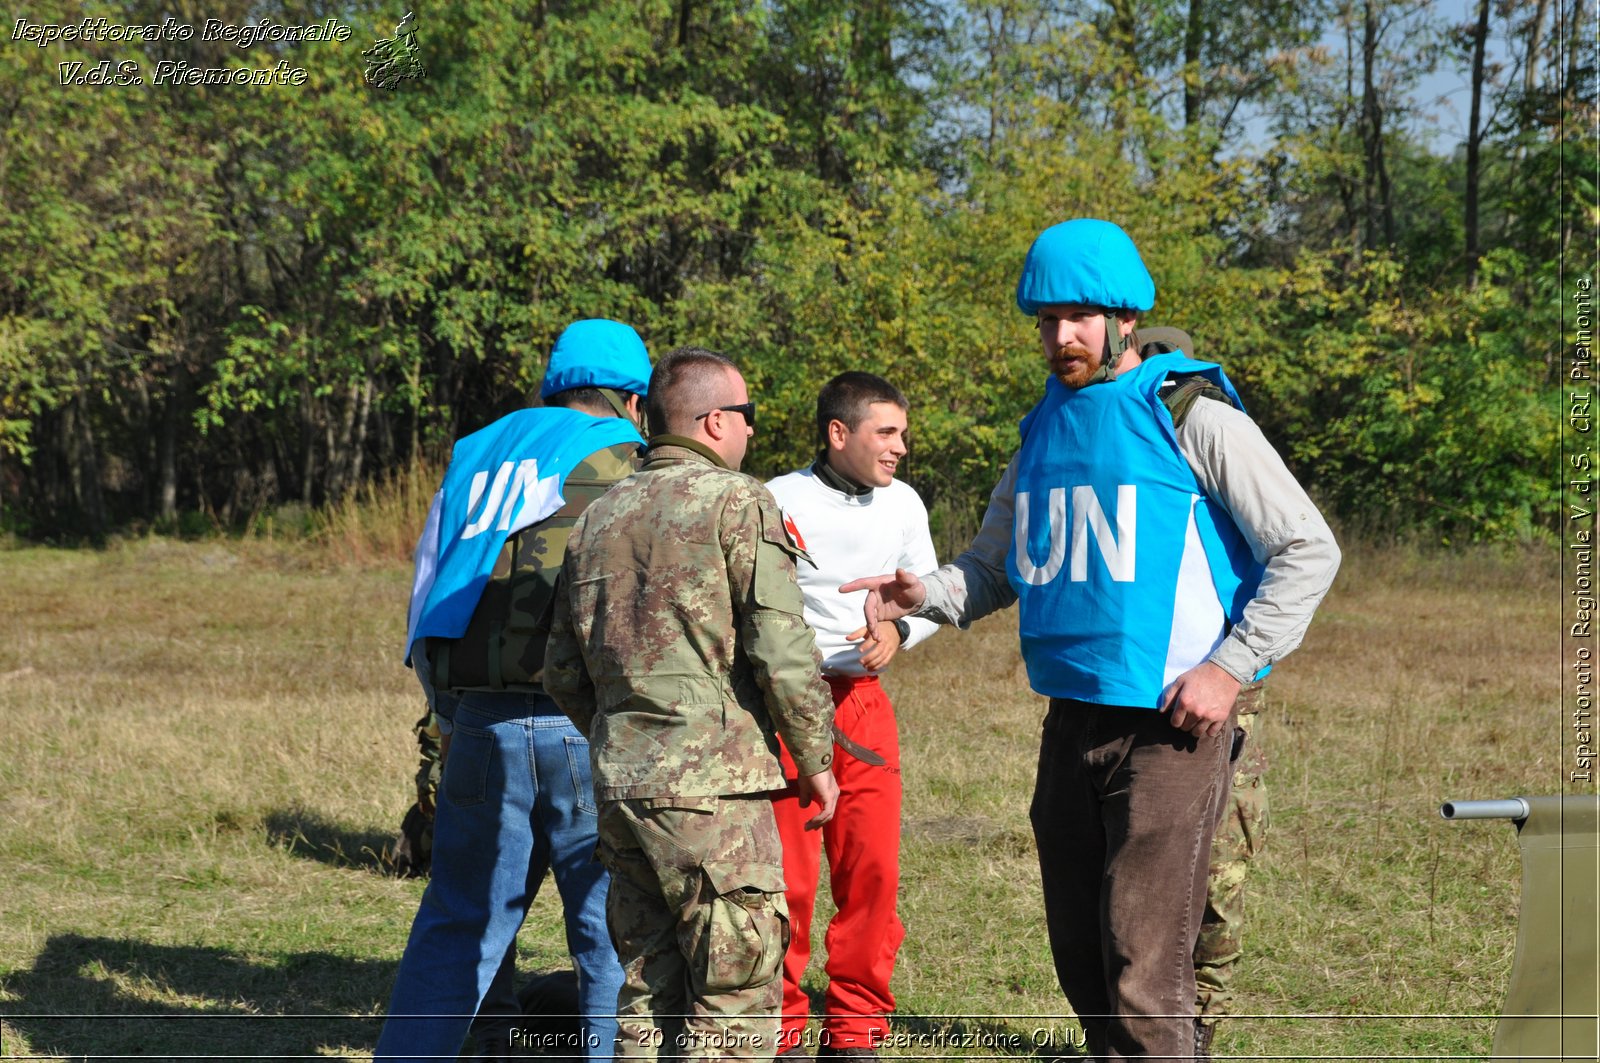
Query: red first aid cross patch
x=794, y=532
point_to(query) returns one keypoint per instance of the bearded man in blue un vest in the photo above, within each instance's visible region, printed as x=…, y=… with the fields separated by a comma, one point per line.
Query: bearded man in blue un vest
x=516, y=797
x=1157, y=567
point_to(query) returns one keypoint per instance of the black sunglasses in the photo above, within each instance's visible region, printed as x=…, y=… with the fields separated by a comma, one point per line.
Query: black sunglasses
x=747, y=410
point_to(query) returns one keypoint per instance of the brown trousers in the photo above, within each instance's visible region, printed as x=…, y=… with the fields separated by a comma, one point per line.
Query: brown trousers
x=1123, y=814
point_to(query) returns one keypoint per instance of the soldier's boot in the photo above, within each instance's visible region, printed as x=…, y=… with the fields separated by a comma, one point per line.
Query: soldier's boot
x=413, y=850
x=846, y=1052
x=492, y=1044
x=795, y=1053
x=1203, y=1032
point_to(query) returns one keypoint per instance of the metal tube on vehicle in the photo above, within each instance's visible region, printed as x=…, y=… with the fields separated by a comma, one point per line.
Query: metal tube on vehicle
x=1508, y=808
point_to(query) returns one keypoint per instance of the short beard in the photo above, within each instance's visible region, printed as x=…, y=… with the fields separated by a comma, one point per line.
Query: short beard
x=1076, y=377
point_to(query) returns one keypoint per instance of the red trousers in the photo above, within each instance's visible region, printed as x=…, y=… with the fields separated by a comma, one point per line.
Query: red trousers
x=863, y=844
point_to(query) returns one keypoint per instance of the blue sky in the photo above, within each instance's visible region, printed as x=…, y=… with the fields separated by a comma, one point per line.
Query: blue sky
x=1441, y=99
x=1446, y=93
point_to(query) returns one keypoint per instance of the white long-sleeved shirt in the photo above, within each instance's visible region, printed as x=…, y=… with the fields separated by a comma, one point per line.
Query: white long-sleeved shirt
x=1237, y=468
x=849, y=536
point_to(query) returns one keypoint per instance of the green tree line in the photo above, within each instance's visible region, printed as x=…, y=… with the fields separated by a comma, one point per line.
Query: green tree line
x=217, y=299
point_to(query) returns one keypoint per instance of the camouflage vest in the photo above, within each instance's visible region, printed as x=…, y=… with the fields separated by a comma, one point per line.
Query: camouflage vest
x=503, y=647
x=1181, y=390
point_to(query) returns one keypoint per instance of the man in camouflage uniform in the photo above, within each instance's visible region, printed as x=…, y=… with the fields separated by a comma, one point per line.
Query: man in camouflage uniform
x=413, y=850
x=679, y=647
x=1239, y=838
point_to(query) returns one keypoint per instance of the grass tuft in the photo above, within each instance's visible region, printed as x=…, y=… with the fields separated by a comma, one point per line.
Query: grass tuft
x=378, y=524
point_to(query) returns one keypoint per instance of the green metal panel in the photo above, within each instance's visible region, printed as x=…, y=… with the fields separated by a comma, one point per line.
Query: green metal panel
x=1553, y=1000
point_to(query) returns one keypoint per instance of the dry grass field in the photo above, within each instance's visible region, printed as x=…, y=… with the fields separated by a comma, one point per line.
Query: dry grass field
x=208, y=749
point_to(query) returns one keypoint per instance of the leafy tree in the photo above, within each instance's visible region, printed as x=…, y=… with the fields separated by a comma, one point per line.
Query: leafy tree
x=218, y=299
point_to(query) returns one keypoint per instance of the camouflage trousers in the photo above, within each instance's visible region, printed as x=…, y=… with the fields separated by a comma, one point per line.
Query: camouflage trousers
x=697, y=914
x=413, y=853
x=427, y=778
x=1239, y=837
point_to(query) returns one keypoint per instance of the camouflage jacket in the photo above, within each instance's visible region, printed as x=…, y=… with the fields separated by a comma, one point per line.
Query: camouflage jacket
x=678, y=644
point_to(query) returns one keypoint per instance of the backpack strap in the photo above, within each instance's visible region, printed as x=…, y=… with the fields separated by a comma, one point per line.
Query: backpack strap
x=1180, y=391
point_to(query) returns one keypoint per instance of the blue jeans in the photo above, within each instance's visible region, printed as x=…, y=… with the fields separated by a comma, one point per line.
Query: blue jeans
x=516, y=798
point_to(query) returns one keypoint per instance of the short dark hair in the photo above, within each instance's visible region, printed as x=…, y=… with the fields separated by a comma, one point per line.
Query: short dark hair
x=847, y=396
x=582, y=398
x=686, y=382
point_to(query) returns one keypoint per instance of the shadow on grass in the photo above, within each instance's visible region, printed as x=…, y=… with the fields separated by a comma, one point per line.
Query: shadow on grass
x=94, y=997
x=310, y=835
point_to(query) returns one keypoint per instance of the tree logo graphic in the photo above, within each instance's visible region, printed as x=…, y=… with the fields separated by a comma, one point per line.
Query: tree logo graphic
x=394, y=59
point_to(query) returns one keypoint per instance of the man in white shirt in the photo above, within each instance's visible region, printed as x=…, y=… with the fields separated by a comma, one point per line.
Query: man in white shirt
x=848, y=511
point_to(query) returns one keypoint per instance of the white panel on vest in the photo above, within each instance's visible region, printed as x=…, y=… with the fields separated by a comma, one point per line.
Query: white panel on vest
x=1117, y=550
x=1199, y=622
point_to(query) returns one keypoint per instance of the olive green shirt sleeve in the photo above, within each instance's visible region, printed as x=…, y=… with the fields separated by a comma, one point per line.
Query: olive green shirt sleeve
x=773, y=633
x=566, y=677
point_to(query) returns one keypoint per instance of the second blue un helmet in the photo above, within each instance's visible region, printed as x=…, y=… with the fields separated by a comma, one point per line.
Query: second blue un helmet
x=597, y=353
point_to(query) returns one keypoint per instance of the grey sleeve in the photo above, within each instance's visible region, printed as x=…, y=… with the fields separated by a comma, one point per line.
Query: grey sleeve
x=974, y=584
x=1238, y=469
x=918, y=555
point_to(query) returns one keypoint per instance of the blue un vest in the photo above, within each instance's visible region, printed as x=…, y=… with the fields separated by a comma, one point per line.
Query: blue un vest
x=501, y=479
x=1126, y=574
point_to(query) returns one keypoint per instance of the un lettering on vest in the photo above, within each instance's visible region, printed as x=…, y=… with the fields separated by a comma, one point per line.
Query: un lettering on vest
x=1088, y=515
x=517, y=497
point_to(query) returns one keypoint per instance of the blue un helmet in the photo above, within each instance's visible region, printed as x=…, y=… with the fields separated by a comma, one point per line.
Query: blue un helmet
x=601, y=354
x=597, y=353
x=1087, y=262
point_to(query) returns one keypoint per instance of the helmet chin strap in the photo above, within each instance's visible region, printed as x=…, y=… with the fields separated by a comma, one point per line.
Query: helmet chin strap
x=1116, y=345
x=620, y=404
